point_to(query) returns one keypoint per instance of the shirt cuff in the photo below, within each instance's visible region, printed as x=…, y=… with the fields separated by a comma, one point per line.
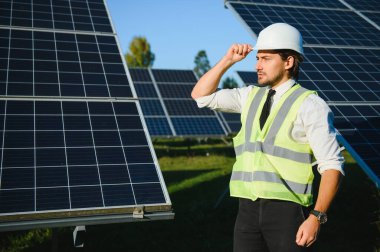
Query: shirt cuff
x=331, y=166
x=204, y=101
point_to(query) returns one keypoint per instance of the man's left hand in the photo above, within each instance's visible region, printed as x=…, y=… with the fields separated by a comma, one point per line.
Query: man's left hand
x=308, y=232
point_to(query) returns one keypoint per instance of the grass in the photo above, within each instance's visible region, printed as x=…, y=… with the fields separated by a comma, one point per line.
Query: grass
x=197, y=174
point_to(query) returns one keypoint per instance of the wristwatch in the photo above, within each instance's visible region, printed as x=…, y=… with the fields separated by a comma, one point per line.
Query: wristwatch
x=321, y=216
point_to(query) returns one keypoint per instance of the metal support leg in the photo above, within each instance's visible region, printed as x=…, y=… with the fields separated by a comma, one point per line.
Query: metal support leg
x=79, y=236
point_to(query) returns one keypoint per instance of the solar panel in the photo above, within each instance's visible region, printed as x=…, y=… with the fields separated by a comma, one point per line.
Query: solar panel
x=175, y=88
x=360, y=126
x=74, y=147
x=153, y=110
x=81, y=149
x=231, y=121
x=74, y=15
x=61, y=64
x=366, y=5
x=373, y=16
x=341, y=74
x=317, y=26
x=370, y=5
x=248, y=78
x=305, y=3
x=167, y=107
x=341, y=62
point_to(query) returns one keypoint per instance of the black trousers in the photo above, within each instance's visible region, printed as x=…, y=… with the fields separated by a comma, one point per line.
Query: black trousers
x=268, y=225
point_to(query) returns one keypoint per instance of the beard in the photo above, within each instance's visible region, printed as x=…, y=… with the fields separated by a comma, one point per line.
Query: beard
x=270, y=81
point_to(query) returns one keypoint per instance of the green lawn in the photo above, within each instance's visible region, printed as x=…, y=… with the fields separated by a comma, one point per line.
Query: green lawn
x=197, y=175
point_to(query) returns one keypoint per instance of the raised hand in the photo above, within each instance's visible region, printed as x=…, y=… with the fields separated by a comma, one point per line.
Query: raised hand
x=237, y=52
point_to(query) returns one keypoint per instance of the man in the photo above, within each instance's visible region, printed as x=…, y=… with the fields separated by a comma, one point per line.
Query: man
x=283, y=125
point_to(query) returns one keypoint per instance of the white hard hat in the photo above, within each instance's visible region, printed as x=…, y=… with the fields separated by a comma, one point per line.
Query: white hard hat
x=280, y=36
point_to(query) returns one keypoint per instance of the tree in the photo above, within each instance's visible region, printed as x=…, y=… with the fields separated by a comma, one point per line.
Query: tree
x=230, y=82
x=139, y=54
x=202, y=64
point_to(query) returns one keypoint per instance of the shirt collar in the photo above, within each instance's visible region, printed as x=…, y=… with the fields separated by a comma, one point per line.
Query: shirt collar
x=282, y=88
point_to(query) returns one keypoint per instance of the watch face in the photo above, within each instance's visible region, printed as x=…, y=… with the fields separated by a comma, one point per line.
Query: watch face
x=322, y=218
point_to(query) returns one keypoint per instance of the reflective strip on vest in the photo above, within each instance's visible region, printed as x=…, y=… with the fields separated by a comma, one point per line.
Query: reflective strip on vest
x=268, y=145
x=272, y=178
x=274, y=151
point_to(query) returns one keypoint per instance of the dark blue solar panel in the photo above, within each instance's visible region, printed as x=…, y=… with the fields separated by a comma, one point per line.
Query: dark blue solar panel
x=305, y=3
x=140, y=75
x=360, y=126
x=373, y=16
x=71, y=156
x=232, y=120
x=54, y=14
x=145, y=90
x=74, y=154
x=370, y=5
x=151, y=106
x=249, y=78
x=342, y=74
x=158, y=126
x=317, y=26
x=174, y=88
x=197, y=126
x=175, y=91
x=176, y=76
x=186, y=108
x=59, y=64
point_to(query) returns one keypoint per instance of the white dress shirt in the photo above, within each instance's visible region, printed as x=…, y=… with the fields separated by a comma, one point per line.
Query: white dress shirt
x=313, y=125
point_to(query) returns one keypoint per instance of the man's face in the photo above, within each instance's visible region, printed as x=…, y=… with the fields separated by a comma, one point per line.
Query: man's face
x=270, y=68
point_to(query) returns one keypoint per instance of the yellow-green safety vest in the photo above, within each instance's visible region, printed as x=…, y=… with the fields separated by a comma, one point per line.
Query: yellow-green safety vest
x=269, y=163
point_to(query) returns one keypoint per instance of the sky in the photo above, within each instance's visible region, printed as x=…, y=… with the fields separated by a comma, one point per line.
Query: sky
x=178, y=29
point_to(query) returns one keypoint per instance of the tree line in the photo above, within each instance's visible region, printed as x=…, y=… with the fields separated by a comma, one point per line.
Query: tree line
x=141, y=55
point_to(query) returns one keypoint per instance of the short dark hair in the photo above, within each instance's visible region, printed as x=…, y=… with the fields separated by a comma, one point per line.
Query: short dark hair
x=298, y=59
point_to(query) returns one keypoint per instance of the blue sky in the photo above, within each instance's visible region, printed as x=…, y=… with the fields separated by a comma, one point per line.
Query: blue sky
x=178, y=29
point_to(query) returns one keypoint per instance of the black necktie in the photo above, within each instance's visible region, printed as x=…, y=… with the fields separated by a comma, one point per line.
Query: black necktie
x=266, y=109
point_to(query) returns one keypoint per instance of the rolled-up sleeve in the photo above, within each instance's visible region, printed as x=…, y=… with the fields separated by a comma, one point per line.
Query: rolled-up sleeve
x=318, y=119
x=225, y=100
